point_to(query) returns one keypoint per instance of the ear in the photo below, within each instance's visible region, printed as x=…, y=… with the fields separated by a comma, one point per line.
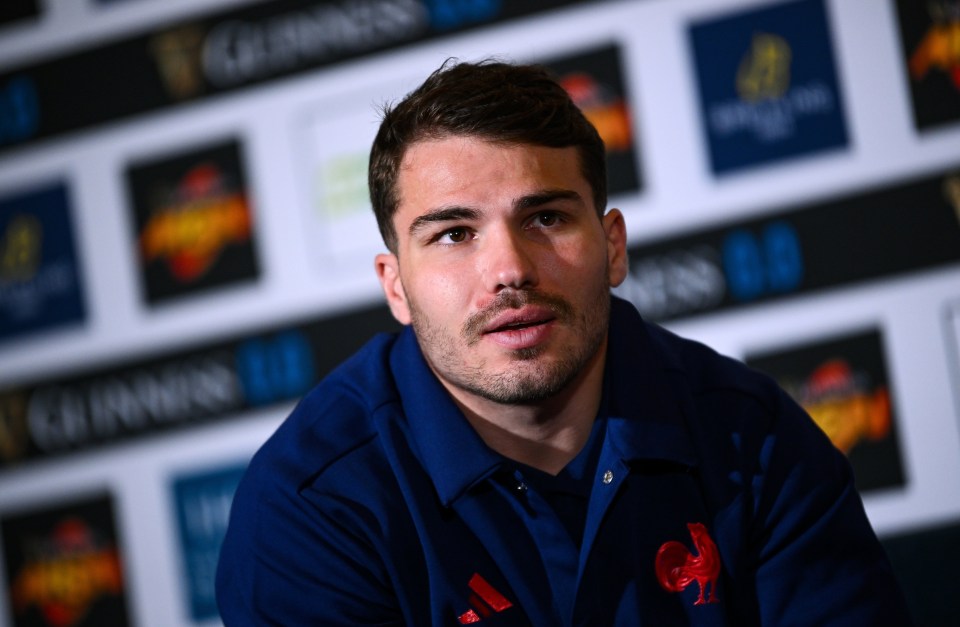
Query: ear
x=388, y=271
x=616, y=231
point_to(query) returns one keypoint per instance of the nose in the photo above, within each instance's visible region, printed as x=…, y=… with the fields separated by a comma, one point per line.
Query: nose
x=507, y=261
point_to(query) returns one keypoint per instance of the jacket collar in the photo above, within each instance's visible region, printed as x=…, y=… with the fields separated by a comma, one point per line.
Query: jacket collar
x=646, y=404
x=453, y=454
x=645, y=413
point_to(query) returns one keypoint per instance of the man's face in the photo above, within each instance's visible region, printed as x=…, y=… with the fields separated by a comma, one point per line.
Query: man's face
x=502, y=267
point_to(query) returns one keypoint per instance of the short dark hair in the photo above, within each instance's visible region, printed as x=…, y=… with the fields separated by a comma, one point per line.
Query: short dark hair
x=492, y=100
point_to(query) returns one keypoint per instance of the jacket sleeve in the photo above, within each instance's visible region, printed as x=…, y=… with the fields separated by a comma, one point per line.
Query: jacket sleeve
x=818, y=561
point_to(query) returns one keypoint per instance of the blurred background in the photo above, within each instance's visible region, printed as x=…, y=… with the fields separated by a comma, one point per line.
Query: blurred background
x=186, y=246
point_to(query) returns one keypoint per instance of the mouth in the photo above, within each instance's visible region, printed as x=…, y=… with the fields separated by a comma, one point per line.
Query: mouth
x=518, y=329
x=519, y=320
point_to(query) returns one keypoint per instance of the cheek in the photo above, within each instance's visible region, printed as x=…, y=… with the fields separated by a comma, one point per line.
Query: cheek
x=575, y=262
x=439, y=295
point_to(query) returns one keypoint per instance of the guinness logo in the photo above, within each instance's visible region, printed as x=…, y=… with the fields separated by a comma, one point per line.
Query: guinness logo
x=178, y=54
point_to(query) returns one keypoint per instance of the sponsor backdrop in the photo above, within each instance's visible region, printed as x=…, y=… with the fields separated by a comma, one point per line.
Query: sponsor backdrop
x=186, y=246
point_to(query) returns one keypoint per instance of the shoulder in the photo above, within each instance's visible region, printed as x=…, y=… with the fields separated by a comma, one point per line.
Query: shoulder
x=692, y=370
x=305, y=479
x=730, y=410
x=739, y=418
x=729, y=400
x=305, y=501
x=332, y=421
x=703, y=372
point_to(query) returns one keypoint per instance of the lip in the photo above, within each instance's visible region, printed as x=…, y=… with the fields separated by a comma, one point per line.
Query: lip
x=517, y=329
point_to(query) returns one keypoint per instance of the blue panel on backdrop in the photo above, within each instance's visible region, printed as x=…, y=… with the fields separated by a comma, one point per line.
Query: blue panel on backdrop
x=768, y=85
x=40, y=284
x=203, y=507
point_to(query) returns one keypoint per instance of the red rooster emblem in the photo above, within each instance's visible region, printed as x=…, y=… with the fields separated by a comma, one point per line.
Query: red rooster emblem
x=677, y=568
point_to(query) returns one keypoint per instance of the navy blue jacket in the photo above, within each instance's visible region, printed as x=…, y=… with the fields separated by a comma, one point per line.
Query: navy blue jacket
x=717, y=501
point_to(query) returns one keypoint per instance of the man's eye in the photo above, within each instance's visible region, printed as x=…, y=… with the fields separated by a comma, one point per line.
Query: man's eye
x=453, y=236
x=547, y=218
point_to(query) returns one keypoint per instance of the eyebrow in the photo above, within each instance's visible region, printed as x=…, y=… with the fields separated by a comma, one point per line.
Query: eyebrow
x=545, y=197
x=443, y=214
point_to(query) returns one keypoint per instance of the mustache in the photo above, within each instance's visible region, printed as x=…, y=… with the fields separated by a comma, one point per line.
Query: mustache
x=514, y=299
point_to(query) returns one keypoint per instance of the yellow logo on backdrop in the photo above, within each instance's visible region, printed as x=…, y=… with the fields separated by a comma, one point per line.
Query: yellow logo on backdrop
x=20, y=249
x=940, y=46
x=202, y=218
x=764, y=72
x=67, y=575
x=191, y=236
x=844, y=405
x=606, y=111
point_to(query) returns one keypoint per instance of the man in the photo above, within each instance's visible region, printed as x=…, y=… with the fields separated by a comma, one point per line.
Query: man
x=528, y=451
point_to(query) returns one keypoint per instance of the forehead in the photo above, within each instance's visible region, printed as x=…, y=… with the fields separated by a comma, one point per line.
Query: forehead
x=461, y=169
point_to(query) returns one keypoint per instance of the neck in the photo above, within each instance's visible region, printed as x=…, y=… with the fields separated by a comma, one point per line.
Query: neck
x=546, y=435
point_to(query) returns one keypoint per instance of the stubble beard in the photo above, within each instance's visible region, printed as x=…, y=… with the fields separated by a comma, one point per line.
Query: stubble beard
x=527, y=379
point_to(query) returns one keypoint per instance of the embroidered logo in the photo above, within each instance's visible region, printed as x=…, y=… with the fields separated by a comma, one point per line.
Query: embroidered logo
x=484, y=601
x=677, y=567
